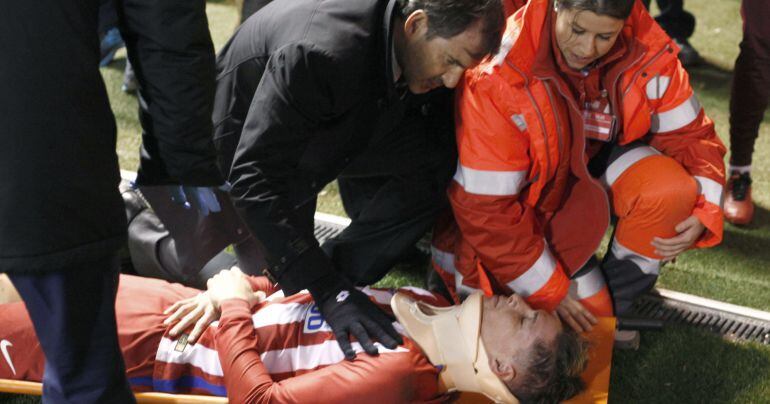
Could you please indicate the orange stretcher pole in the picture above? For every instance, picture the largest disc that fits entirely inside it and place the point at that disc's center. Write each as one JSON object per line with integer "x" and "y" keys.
{"x": 36, "y": 389}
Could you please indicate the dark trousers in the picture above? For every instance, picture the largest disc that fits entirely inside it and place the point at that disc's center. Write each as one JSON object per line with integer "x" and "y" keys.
{"x": 677, "y": 22}
{"x": 751, "y": 81}
{"x": 73, "y": 311}
{"x": 108, "y": 16}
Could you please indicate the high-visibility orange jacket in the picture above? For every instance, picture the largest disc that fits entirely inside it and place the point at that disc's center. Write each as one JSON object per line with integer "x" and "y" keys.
{"x": 529, "y": 213}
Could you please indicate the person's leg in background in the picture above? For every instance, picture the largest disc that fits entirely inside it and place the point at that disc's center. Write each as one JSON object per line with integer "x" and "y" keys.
{"x": 110, "y": 40}
{"x": 679, "y": 25}
{"x": 73, "y": 311}
{"x": 748, "y": 102}
{"x": 651, "y": 193}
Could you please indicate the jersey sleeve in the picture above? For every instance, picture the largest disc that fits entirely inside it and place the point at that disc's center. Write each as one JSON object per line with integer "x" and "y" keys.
{"x": 401, "y": 376}
{"x": 262, "y": 284}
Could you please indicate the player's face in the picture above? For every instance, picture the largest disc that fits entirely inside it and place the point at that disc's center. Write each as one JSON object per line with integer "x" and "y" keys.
{"x": 429, "y": 63}
{"x": 584, "y": 36}
{"x": 510, "y": 329}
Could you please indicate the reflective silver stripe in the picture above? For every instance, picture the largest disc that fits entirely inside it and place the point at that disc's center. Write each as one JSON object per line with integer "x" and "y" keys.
{"x": 536, "y": 276}
{"x": 649, "y": 266}
{"x": 657, "y": 87}
{"x": 710, "y": 189}
{"x": 446, "y": 261}
{"x": 443, "y": 259}
{"x": 484, "y": 182}
{"x": 505, "y": 46}
{"x": 625, "y": 161}
{"x": 676, "y": 118}
{"x": 587, "y": 284}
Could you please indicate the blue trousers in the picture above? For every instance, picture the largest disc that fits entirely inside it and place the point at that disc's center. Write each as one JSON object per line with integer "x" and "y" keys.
{"x": 73, "y": 311}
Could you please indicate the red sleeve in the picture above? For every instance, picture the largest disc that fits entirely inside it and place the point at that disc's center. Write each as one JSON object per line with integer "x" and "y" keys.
{"x": 390, "y": 377}
{"x": 486, "y": 195}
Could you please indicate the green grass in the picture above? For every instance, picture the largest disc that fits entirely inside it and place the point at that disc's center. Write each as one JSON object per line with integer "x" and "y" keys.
{"x": 677, "y": 365}
{"x": 686, "y": 366}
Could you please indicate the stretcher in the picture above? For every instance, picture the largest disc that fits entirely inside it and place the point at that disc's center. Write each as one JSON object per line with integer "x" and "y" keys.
{"x": 596, "y": 376}
{"x": 36, "y": 389}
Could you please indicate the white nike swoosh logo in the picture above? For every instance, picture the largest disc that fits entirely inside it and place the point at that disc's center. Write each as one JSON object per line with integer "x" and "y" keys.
{"x": 4, "y": 344}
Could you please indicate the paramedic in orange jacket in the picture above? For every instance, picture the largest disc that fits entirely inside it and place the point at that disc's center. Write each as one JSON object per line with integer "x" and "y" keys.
{"x": 585, "y": 112}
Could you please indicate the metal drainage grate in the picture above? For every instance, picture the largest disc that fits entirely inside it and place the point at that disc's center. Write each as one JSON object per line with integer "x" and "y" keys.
{"x": 325, "y": 230}
{"x": 653, "y": 306}
{"x": 730, "y": 325}
{"x": 328, "y": 226}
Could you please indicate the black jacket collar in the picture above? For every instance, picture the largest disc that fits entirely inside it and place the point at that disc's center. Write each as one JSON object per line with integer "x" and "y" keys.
{"x": 388, "y": 26}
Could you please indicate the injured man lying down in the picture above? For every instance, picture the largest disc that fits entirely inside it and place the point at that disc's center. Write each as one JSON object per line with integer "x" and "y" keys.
{"x": 269, "y": 348}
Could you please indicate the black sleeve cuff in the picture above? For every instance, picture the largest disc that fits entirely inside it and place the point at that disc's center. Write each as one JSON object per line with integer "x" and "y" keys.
{"x": 304, "y": 272}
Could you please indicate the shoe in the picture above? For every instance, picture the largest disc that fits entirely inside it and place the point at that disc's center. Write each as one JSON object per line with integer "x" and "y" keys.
{"x": 687, "y": 54}
{"x": 133, "y": 201}
{"x": 110, "y": 43}
{"x": 129, "y": 79}
{"x": 627, "y": 339}
{"x": 739, "y": 209}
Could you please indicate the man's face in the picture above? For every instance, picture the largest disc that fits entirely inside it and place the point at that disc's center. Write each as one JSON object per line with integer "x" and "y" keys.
{"x": 431, "y": 63}
{"x": 584, "y": 36}
{"x": 509, "y": 331}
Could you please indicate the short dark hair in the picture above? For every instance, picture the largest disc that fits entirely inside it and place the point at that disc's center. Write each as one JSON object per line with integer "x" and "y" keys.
{"x": 619, "y": 9}
{"x": 448, "y": 18}
{"x": 553, "y": 376}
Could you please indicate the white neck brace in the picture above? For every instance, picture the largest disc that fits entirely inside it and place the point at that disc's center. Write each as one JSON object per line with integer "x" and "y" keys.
{"x": 450, "y": 336}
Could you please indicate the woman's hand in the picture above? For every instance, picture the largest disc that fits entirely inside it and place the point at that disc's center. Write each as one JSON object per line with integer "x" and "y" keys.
{"x": 573, "y": 313}
{"x": 689, "y": 231}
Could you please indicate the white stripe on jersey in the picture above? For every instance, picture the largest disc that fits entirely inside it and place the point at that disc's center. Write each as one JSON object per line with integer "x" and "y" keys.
{"x": 280, "y": 313}
{"x": 307, "y": 357}
{"x": 380, "y": 296}
{"x": 205, "y": 359}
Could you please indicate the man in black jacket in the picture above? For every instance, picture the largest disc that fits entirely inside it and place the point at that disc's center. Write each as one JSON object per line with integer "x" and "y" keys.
{"x": 61, "y": 217}
{"x": 309, "y": 91}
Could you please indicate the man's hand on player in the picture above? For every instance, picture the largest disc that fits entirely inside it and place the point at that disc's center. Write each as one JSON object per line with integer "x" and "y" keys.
{"x": 349, "y": 312}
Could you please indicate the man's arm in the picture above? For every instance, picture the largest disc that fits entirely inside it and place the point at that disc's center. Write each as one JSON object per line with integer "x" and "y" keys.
{"x": 387, "y": 378}
{"x": 298, "y": 92}
{"x": 302, "y": 90}
{"x": 171, "y": 50}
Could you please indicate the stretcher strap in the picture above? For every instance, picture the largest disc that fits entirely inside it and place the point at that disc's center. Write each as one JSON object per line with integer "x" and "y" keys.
{"x": 36, "y": 389}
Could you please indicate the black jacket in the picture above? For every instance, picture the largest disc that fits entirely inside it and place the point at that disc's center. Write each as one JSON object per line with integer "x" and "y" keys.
{"x": 59, "y": 202}
{"x": 302, "y": 88}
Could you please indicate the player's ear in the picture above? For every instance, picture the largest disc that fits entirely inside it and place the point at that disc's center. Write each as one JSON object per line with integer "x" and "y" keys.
{"x": 503, "y": 369}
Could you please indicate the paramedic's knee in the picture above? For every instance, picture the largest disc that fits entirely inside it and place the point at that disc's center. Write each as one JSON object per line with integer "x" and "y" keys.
{"x": 650, "y": 198}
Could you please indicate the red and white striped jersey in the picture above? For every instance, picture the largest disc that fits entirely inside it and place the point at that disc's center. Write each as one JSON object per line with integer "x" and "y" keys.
{"x": 277, "y": 351}
{"x": 287, "y": 339}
